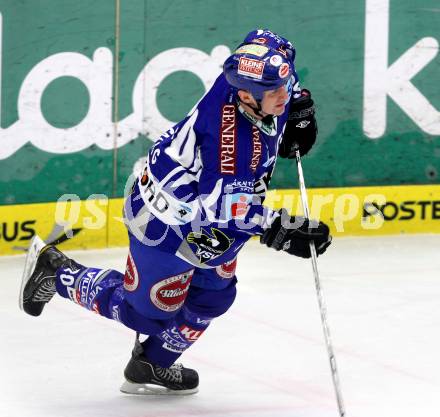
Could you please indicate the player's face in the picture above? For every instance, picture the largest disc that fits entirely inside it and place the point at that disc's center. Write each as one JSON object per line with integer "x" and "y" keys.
{"x": 274, "y": 101}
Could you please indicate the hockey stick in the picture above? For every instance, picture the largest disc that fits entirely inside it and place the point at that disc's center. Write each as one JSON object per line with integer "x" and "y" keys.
{"x": 322, "y": 306}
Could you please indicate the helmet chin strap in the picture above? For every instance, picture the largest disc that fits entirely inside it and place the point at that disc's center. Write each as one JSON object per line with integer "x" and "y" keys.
{"x": 257, "y": 109}
{"x": 267, "y": 118}
{"x": 267, "y": 122}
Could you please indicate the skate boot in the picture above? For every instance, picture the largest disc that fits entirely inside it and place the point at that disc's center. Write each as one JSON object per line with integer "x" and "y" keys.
{"x": 144, "y": 378}
{"x": 38, "y": 282}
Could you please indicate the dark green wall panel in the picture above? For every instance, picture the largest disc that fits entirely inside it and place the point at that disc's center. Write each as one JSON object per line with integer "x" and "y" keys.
{"x": 112, "y": 42}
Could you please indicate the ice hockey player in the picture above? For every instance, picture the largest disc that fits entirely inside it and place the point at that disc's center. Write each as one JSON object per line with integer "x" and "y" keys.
{"x": 189, "y": 213}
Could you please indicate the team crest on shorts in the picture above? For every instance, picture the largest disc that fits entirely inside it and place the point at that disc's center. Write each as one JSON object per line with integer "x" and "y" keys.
{"x": 227, "y": 270}
{"x": 169, "y": 294}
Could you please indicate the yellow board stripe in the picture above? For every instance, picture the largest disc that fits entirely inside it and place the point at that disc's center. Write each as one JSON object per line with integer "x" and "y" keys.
{"x": 354, "y": 211}
{"x": 366, "y": 211}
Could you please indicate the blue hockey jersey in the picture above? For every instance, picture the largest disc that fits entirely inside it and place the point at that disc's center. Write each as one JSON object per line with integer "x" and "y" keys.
{"x": 201, "y": 193}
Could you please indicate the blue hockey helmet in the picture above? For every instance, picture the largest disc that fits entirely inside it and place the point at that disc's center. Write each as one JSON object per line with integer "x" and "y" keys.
{"x": 271, "y": 40}
{"x": 258, "y": 68}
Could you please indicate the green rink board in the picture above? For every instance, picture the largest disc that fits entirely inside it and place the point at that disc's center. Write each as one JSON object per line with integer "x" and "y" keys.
{"x": 83, "y": 130}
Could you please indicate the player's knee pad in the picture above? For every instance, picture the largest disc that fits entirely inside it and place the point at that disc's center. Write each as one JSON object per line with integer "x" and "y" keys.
{"x": 201, "y": 306}
{"x": 210, "y": 302}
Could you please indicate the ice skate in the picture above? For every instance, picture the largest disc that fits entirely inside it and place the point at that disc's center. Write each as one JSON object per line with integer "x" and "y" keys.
{"x": 144, "y": 378}
{"x": 38, "y": 281}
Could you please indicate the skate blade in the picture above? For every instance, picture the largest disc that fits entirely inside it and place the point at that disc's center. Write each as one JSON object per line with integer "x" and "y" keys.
{"x": 150, "y": 389}
{"x": 31, "y": 259}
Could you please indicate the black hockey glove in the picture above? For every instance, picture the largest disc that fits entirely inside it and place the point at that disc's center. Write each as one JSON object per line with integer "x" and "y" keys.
{"x": 293, "y": 234}
{"x": 301, "y": 127}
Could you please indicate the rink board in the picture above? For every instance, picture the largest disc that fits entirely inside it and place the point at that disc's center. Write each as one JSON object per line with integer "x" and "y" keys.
{"x": 97, "y": 222}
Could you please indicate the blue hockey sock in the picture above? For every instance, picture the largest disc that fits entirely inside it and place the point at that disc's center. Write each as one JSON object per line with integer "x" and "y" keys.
{"x": 164, "y": 348}
{"x": 91, "y": 288}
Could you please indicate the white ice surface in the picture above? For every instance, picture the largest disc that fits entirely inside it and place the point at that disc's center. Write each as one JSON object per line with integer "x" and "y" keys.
{"x": 265, "y": 358}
